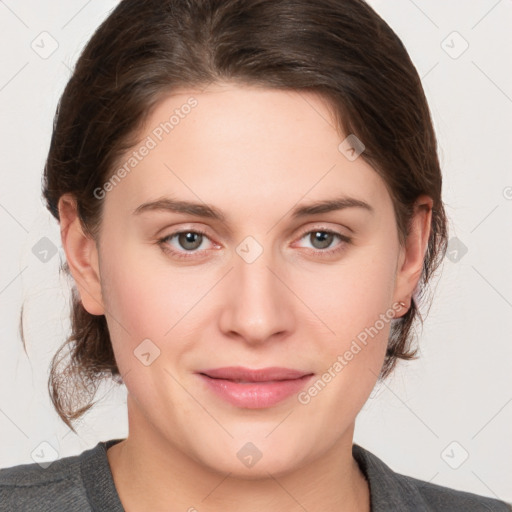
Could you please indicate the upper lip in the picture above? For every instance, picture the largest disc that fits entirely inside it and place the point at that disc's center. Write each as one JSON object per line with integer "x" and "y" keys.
{"x": 239, "y": 373}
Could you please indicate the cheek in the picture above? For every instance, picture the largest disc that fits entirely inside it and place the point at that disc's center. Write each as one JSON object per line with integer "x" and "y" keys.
{"x": 350, "y": 296}
{"x": 138, "y": 288}
{"x": 146, "y": 298}
{"x": 354, "y": 301}
{"x": 137, "y": 308}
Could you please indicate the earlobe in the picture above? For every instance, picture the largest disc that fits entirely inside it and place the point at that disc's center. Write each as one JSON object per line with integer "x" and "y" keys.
{"x": 412, "y": 254}
{"x": 82, "y": 256}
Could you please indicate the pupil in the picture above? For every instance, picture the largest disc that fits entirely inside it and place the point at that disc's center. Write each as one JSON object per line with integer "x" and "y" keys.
{"x": 190, "y": 240}
{"x": 324, "y": 238}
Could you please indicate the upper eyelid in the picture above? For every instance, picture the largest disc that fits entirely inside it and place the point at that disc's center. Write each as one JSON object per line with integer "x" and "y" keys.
{"x": 301, "y": 232}
{"x": 320, "y": 228}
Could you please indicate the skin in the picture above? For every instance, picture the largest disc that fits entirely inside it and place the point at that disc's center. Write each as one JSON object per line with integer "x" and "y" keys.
{"x": 255, "y": 154}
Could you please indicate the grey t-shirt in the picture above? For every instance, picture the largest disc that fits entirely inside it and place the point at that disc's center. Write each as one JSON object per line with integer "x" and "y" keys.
{"x": 84, "y": 483}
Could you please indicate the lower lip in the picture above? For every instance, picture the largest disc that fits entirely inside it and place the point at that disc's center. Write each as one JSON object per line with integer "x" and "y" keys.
{"x": 255, "y": 395}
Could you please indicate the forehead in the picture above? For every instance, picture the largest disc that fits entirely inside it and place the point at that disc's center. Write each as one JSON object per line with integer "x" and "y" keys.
{"x": 241, "y": 146}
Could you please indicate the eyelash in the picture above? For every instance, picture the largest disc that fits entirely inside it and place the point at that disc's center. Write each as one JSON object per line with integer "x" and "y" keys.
{"x": 163, "y": 242}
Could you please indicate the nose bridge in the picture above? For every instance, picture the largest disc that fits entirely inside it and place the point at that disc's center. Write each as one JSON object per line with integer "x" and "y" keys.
{"x": 257, "y": 306}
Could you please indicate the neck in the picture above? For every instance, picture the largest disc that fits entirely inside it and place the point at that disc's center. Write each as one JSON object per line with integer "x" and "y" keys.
{"x": 150, "y": 473}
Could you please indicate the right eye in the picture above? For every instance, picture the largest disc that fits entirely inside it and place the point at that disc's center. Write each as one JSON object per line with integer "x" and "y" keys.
{"x": 182, "y": 242}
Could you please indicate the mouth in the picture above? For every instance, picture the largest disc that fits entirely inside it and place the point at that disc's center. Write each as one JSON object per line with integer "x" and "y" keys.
{"x": 254, "y": 388}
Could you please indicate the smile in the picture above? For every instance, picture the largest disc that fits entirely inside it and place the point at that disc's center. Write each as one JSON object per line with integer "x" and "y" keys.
{"x": 254, "y": 389}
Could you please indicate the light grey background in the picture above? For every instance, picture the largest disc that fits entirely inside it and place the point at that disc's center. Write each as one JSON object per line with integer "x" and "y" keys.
{"x": 444, "y": 418}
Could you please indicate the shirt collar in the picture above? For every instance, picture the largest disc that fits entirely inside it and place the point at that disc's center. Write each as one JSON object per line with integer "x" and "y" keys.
{"x": 388, "y": 490}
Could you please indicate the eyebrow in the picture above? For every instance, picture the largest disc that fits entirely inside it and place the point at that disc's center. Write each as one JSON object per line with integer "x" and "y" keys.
{"x": 211, "y": 212}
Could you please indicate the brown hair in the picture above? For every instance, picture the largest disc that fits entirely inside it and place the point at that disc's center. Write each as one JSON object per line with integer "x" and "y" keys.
{"x": 341, "y": 50}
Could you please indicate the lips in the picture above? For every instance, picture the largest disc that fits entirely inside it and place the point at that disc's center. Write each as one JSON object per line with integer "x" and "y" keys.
{"x": 254, "y": 388}
{"x": 237, "y": 373}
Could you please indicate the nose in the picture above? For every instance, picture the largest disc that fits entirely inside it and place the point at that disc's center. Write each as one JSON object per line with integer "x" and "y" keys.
{"x": 258, "y": 304}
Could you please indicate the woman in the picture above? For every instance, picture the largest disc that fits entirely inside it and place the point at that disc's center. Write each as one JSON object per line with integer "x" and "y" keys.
{"x": 249, "y": 198}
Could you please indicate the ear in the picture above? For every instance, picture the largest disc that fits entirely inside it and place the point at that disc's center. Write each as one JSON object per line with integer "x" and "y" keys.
{"x": 82, "y": 256}
{"x": 412, "y": 254}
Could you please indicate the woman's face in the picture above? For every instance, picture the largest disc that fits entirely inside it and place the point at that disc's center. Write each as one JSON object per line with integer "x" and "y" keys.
{"x": 262, "y": 280}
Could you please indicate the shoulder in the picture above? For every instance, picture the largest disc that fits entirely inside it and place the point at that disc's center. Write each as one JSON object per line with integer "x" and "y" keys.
{"x": 30, "y": 487}
{"x": 393, "y": 491}
{"x": 440, "y": 498}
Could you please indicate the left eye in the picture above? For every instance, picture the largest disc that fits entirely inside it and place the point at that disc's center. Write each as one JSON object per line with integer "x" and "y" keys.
{"x": 322, "y": 239}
